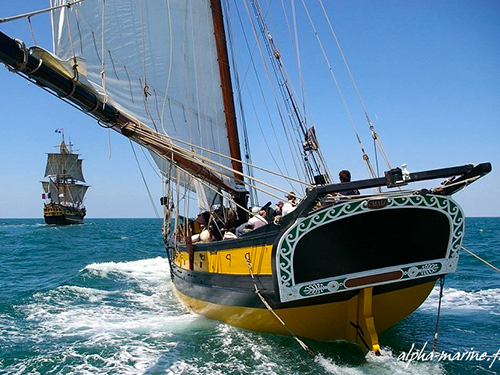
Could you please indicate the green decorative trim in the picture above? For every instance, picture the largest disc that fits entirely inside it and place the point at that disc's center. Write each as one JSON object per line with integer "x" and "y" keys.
{"x": 289, "y": 291}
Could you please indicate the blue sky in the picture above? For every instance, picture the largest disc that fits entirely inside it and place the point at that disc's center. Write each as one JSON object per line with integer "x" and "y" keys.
{"x": 428, "y": 72}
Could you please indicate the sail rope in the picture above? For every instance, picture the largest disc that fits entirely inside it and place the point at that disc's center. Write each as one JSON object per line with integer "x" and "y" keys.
{"x": 341, "y": 94}
{"x": 481, "y": 259}
{"x": 145, "y": 86}
{"x": 195, "y": 72}
{"x": 270, "y": 309}
{"x": 155, "y": 169}
{"x": 297, "y": 54}
{"x": 242, "y": 118}
{"x": 294, "y": 41}
{"x": 294, "y": 152}
{"x": 77, "y": 18}
{"x": 299, "y": 167}
{"x": 103, "y": 68}
{"x": 109, "y": 143}
{"x": 194, "y": 146}
{"x": 264, "y": 138}
{"x": 144, "y": 180}
{"x": 376, "y": 138}
{"x": 212, "y": 164}
{"x": 31, "y": 29}
{"x": 36, "y": 12}
{"x": 312, "y": 165}
{"x": 219, "y": 193}
{"x": 271, "y": 122}
{"x": 170, "y": 64}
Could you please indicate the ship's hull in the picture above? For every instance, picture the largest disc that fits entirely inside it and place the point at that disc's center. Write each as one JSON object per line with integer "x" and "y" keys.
{"x": 57, "y": 214}
{"x": 347, "y": 271}
{"x": 336, "y": 320}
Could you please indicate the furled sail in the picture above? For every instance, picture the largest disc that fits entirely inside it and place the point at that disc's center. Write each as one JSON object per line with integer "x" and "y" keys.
{"x": 158, "y": 62}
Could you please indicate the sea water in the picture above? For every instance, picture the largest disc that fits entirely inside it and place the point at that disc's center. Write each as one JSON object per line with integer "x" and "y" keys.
{"x": 97, "y": 299}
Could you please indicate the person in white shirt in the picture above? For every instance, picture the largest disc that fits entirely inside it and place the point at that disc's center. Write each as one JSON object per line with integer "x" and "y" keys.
{"x": 257, "y": 220}
{"x": 290, "y": 205}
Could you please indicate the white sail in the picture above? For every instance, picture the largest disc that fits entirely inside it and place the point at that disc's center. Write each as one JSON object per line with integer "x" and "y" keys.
{"x": 52, "y": 189}
{"x": 156, "y": 60}
{"x": 64, "y": 165}
{"x": 75, "y": 193}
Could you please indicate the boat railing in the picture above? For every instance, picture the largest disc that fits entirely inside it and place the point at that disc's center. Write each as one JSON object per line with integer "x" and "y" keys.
{"x": 456, "y": 178}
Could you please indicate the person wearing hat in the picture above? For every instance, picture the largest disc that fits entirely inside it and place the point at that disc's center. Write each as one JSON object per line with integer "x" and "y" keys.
{"x": 290, "y": 205}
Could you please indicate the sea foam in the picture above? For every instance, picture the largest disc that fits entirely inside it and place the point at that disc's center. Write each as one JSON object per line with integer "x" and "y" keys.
{"x": 461, "y": 301}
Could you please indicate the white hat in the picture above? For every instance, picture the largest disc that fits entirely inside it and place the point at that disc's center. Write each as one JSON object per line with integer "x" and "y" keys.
{"x": 255, "y": 210}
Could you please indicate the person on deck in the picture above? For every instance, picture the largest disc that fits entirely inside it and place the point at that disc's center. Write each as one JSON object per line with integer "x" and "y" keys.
{"x": 256, "y": 221}
{"x": 278, "y": 210}
{"x": 345, "y": 176}
{"x": 290, "y": 205}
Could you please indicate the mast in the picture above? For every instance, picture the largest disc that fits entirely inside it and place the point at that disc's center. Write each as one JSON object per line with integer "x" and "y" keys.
{"x": 226, "y": 86}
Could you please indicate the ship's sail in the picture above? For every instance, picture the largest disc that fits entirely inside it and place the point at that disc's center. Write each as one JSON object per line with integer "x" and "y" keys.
{"x": 157, "y": 61}
{"x": 75, "y": 193}
{"x": 68, "y": 193}
{"x": 51, "y": 188}
{"x": 67, "y": 165}
{"x": 63, "y": 170}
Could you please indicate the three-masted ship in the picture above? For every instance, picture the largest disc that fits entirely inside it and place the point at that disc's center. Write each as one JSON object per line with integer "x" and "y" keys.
{"x": 64, "y": 188}
{"x": 341, "y": 265}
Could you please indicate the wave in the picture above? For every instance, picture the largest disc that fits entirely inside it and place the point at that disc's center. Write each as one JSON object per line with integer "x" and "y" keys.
{"x": 461, "y": 301}
{"x": 154, "y": 269}
{"x": 387, "y": 363}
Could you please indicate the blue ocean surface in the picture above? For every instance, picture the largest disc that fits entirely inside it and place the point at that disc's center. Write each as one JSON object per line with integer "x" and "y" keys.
{"x": 97, "y": 299}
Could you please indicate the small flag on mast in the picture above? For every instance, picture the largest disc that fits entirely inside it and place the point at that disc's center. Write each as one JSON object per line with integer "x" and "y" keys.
{"x": 59, "y": 130}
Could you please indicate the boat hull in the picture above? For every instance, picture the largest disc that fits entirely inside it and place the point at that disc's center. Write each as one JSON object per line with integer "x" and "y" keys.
{"x": 345, "y": 271}
{"x": 324, "y": 321}
{"x": 56, "y": 214}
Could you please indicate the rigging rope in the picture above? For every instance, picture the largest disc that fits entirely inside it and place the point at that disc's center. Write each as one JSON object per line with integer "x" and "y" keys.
{"x": 271, "y": 122}
{"x": 341, "y": 94}
{"x": 25, "y": 15}
{"x": 300, "y": 168}
{"x": 190, "y": 155}
{"x": 144, "y": 180}
{"x": 297, "y": 53}
{"x": 103, "y": 70}
{"x": 31, "y": 30}
{"x": 266, "y": 304}
{"x": 246, "y": 142}
{"x": 436, "y": 330}
{"x": 375, "y": 136}
{"x": 481, "y": 259}
{"x": 145, "y": 87}
{"x": 297, "y": 119}
{"x": 192, "y": 145}
{"x": 170, "y": 60}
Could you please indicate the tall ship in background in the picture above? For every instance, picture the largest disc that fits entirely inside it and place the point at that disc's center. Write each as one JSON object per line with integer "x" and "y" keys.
{"x": 65, "y": 187}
